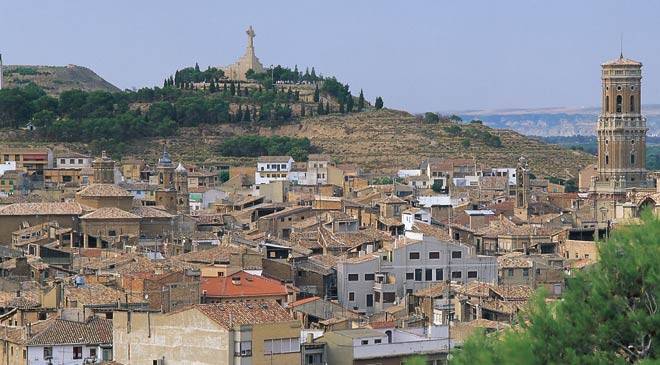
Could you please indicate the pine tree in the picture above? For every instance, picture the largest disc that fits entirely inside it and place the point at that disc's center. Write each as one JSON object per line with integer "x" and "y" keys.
{"x": 313, "y": 74}
{"x": 349, "y": 104}
{"x": 289, "y": 94}
{"x": 361, "y": 101}
{"x": 239, "y": 113}
{"x": 196, "y": 67}
{"x": 224, "y": 87}
{"x": 296, "y": 96}
{"x": 248, "y": 114}
{"x": 317, "y": 94}
{"x": 171, "y": 80}
{"x": 212, "y": 88}
{"x": 379, "y": 103}
{"x": 165, "y": 83}
{"x": 341, "y": 108}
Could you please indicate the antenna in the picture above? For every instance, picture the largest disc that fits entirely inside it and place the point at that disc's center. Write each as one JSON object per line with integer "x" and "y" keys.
{"x": 621, "y": 46}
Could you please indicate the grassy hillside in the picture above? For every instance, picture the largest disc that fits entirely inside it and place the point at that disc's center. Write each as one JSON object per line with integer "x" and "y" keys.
{"x": 380, "y": 141}
{"x": 56, "y": 79}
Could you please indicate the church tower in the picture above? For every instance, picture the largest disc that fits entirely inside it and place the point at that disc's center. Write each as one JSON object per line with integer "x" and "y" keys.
{"x": 521, "y": 209}
{"x": 621, "y": 129}
{"x": 166, "y": 194}
{"x": 104, "y": 169}
{"x": 181, "y": 187}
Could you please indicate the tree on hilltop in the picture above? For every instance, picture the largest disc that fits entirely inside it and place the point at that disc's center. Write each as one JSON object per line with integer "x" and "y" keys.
{"x": 361, "y": 101}
{"x": 379, "y": 103}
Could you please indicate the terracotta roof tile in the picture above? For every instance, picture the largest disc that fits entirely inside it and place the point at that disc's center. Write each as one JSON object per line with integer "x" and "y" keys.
{"x": 61, "y": 332}
{"x": 101, "y": 190}
{"x": 247, "y": 285}
{"x": 110, "y": 213}
{"x": 58, "y": 208}
{"x": 229, "y": 315}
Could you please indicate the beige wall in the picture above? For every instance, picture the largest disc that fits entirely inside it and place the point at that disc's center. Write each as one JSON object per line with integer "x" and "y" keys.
{"x": 267, "y": 331}
{"x": 124, "y": 202}
{"x": 572, "y": 249}
{"x": 186, "y": 337}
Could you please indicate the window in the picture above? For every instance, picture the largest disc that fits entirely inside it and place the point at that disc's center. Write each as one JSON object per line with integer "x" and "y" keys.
{"x": 72, "y": 161}
{"x": 456, "y": 254}
{"x": 243, "y": 348}
{"x": 92, "y": 352}
{"x": 428, "y": 275}
{"x": 434, "y": 255}
{"x": 472, "y": 274}
{"x": 77, "y": 352}
{"x": 438, "y": 274}
{"x": 632, "y": 103}
{"x": 378, "y": 340}
{"x": 418, "y": 274}
{"x": 369, "y": 277}
{"x": 80, "y": 161}
{"x": 48, "y": 352}
{"x": 525, "y": 272}
{"x": 456, "y": 275}
{"x": 281, "y": 346}
{"x": 112, "y": 233}
{"x": 632, "y": 158}
{"x": 351, "y": 297}
{"x": 370, "y": 300}
{"x": 607, "y": 103}
{"x": 365, "y": 342}
{"x": 413, "y": 255}
{"x": 607, "y": 160}
{"x": 619, "y": 101}
{"x": 410, "y": 276}
{"x": 353, "y": 277}
{"x": 510, "y": 272}
{"x": 389, "y": 297}
{"x": 377, "y": 297}
{"x": 62, "y": 161}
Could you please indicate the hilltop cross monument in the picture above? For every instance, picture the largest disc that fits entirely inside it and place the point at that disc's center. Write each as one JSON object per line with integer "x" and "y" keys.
{"x": 249, "y": 61}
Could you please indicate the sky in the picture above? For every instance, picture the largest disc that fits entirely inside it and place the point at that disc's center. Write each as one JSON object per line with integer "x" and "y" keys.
{"x": 418, "y": 55}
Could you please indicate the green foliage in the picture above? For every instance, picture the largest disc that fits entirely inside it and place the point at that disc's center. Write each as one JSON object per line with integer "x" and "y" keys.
{"x": 476, "y": 121}
{"x": 415, "y": 360}
{"x": 453, "y": 130}
{"x": 22, "y": 70}
{"x": 361, "y": 101}
{"x": 430, "y": 117}
{"x": 437, "y": 186}
{"x": 455, "y": 118}
{"x": 379, "y": 103}
{"x": 383, "y": 180}
{"x": 465, "y": 143}
{"x": 224, "y": 176}
{"x": 255, "y": 146}
{"x": 608, "y": 314}
{"x": 334, "y": 88}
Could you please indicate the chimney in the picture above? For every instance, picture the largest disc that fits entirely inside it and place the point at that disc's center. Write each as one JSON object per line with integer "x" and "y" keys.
{"x": 236, "y": 280}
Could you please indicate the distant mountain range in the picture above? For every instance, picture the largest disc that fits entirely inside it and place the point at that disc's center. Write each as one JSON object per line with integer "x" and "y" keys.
{"x": 552, "y": 121}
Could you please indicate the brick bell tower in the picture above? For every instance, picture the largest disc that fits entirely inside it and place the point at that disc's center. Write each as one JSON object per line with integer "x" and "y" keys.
{"x": 621, "y": 130}
{"x": 166, "y": 194}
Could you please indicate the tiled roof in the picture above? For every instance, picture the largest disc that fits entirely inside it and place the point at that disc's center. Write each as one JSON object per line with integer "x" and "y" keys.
{"x": 248, "y": 285}
{"x": 622, "y": 61}
{"x": 94, "y": 294}
{"x": 23, "y": 303}
{"x": 433, "y": 291}
{"x": 229, "y": 315}
{"x": 110, "y": 213}
{"x": 213, "y": 255}
{"x": 103, "y": 190}
{"x": 61, "y": 332}
{"x": 150, "y": 212}
{"x": 42, "y": 209}
{"x": 513, "y": 260}
{"x": 302, "y": 301}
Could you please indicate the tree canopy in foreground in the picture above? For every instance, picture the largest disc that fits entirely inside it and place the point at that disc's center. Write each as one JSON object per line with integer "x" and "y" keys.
{"x": 608, "y": 314}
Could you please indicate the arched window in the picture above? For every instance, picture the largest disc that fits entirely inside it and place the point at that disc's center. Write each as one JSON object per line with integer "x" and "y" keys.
{"x": 607, "y": 160}
{"x": 632, "y": 103}
{"x": 619, "y": 100}
{"x": 607, "y": 103}
{"x": 632, "y": 158}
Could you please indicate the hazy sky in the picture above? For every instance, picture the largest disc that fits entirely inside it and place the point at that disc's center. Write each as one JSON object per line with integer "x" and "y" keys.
{"x": 418, "y": 55}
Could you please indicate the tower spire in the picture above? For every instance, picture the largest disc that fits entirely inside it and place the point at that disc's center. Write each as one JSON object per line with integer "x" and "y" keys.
{"x": 621, "y": 47}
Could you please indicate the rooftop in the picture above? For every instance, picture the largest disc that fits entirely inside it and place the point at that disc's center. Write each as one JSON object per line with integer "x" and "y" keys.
{"x": 62, "y": 332}
{"x": 57, "y": 208}
{"x": 229, "y": 315}
{"x": 241, "y": 284}
{"x": 110, "y": 213}
{"x": 103, "y": 190}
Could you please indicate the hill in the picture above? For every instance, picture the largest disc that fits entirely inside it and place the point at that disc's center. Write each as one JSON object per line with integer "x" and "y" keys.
{"x": 553, "y": 121}
{"x": 381, "y": 142}
{"x": 56, "y": 79}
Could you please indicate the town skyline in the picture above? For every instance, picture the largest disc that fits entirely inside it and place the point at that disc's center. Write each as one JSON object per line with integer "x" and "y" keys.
{"x": 500, "y": 57}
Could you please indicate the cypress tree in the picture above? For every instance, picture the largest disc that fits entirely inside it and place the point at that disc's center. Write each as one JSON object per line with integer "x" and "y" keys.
{"x": 379, "y": 103}
{"x": 289, "y": 94}
{"x": 361, "y": 101}
{"x": 341, "y": 108}
{"x": 319, "y": 109}
{"x": 296, "y": 95}
{"x": 313, "y": 74}
{"x": 224, "y": 87}
{"x": 349, "y": 104}
{"x": 232, "y": 89}
{"x": 327, "y": 107}
{"x": 302, "y": 110}
{"x": 196, "y": 67}
{"x": 317, "y": 94}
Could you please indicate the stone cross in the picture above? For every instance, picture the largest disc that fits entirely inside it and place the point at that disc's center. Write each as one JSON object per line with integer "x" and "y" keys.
{"x": 251, "y": 34}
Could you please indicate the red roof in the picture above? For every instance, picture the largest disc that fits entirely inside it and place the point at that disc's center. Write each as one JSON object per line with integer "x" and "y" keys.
{"x": 241, "y": 284}
{"x": 303, "y": 301}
